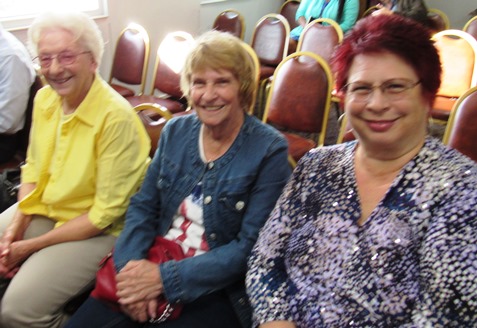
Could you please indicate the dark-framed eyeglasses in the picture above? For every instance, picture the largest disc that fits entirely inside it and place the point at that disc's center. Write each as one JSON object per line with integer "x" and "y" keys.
{"x": 393, "y": 90}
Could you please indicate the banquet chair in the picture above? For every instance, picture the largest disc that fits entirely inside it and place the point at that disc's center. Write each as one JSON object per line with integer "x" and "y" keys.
{"x": 288, "y": 10}
{"x": 131, "y": 56}
{"x": 461, "y": 132}
{"x": 256, "y": 64}
{"x": 154, "y": 117}
{"x": 458, "y": 54}
{"x": 471, "y": 27}
{"x": 438, "y": 20}
{"x": 320, "y": 36}
{"x": 170, "y": 58}
{"x": 299, "y": 102}
{"x": 153, "y": 123}
{"x": 231, "y": 21}
{"x": 270, "y": 43}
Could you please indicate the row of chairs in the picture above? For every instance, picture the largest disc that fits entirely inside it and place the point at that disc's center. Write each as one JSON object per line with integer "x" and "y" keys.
{"x": 130, "y": 63}
{"x": 273, "y": 28}
{"x": 458, "y": 54}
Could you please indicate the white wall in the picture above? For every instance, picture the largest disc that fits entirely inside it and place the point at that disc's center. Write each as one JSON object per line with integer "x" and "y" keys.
{"x": 160, "y": 17}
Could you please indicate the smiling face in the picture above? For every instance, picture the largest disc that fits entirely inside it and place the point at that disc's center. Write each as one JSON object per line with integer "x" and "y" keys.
{"x": 394, "y": 127}
{"x": 214, "y": 94}
{"x": 71, "y": 81}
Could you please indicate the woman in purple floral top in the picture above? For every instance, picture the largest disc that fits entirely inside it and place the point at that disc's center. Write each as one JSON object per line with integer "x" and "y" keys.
{"x": 381, "y": 231}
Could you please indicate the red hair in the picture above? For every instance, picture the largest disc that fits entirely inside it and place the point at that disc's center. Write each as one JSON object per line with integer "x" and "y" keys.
{"x": 403, "y": 37}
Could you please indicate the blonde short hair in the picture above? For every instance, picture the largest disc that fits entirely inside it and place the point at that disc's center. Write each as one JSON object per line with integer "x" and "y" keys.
{"x": 219, "y": 50}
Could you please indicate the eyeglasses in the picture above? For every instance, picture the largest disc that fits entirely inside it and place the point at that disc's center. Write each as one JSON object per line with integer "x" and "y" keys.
{"x": 64, "y": 58}
{"x": 393, "y": 90}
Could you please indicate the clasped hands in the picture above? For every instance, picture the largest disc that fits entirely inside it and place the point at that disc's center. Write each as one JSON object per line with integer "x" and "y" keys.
{"x": 139, "y": 284}
{"x": 13, "y": 251}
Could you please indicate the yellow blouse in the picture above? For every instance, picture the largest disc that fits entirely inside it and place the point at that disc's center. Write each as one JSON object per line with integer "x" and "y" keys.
{"x": 92, "y": 162}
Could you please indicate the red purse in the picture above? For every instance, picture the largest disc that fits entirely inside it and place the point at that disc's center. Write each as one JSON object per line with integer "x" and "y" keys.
{"x": 162, "y": 251}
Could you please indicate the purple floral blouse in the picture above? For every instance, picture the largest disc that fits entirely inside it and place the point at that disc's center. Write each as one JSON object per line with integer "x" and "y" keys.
{"x": 412, "y": 264}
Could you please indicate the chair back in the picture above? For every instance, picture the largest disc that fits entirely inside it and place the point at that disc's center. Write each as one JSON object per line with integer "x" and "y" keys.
{"x": 170, "y": 59}
{"x": 288, "y": 10}
{"x": 300, "y": 95}
{"x": 345, "y": 133}
{"x": 461, "y": 132}
{"x": 458, "y": 55}
{"x": 256, "y": 64}
{"x": 231, "y": 21}
{"x": 152, "y": 124}
{"x": 131, "y": 57}
{"x": 369, "y": 11}
{"x": 438, "y": 20}
{"x": 320, "y": 36}
{"x": 471, "y": 27}
{"x": 270, "y": 39}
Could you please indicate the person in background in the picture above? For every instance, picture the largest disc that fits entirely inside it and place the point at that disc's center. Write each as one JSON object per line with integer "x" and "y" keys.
{"x": 344, "y": 12}
{"x": 88, "y": 154}
{"x": 16, "y": 77}
{"x": 413, "y": 9}
{"x": 380, "y": 231}
{"x": 218, "y": 171}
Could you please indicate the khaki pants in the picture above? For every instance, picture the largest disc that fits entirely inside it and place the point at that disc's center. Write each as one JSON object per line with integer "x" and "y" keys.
{"x": 48, "y": 279}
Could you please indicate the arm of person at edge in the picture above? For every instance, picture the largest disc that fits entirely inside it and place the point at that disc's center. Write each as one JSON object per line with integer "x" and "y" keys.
{"x": 350, "y": 15}
{"x": 14, "y": 250}
{"x": 15, "y": 82}
{"x": 230, "y": 257}
{"x": 300, "y": 13}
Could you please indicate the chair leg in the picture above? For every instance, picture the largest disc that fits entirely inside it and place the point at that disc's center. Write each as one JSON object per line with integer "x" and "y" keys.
{"x": 291, "y": 161}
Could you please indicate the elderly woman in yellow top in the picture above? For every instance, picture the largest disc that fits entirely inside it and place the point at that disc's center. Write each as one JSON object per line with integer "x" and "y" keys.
{"x": 87, "y": 155}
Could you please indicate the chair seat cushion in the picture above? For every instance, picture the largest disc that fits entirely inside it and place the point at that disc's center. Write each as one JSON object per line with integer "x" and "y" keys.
{"x": 442, "y": 107}
{"x": 123, "y": 91}
{"x": 297, "y": 145}
{"x": 173, "y": 106}
{"x": 266, "y": 71}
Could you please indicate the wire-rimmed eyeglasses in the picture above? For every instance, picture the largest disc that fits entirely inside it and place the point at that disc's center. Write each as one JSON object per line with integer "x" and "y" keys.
{"x": 63, "y": 58}
{"x": 393, "y": 90}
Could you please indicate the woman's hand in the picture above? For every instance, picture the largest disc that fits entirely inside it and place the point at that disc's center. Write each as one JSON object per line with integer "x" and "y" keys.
{"x": 302, "y": 21}
{"x": 141, "y": 311}
{"x": 18, "y": 252}
{"x": 138, "y": 281}
{"x": 136, "y": 311}
{"x": 382, "y": 11}
{"x": 12, "y": 248}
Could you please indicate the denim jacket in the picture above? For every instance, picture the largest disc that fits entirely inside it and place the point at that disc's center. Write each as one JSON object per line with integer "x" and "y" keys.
{"x": 240, "y": 190}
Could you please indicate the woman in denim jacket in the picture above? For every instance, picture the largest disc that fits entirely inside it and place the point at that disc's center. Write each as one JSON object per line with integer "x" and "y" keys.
{"x": 217, "y": 172}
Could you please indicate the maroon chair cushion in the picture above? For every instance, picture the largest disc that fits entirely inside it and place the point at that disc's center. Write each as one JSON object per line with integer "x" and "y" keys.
{"x": 174, "y": 106}
{"x": 123, "y": 91}
{"x": 297, "y": 145}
